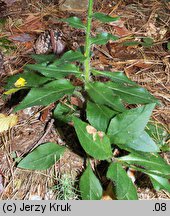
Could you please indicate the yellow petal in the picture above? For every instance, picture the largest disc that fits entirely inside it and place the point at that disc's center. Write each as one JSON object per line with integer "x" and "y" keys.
{"x": 20, "y": 82}
{"x": 11, "y": 91}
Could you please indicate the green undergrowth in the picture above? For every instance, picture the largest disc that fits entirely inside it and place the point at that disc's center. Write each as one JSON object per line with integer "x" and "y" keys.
{"x": 65, "y": 188}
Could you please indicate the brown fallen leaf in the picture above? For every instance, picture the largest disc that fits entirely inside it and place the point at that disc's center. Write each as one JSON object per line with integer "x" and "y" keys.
{"x": 131, "y": 173}
{"x": 7, "y": 122}
{"x": 45, "y": 112}
{"x": 76, "y": 101}
{"x": 143, "y": 64}
{"x": 9, "y": 2}
{"x": 31, "y": 24}
{"x": 1, "y": 184}
{"x": 138, "y": 64}
{"x": 23, "y": 37}
{"x": 120, "y": 29}
{"x": 108, "y": 193}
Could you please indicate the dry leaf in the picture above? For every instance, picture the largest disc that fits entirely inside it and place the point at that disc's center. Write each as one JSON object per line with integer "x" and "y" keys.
{"x": 45, "y": 112}
{"x": 121, "y": 30}
{"x": 6, "y": 122}
{"x": 9, "y": 2}
{"x": 143, "y": 64}
{"x": 22, "y": 37}
{"x": 1, "y": 184}
{"x": 30, "y": 25}
{"x": 92, "y": 131}
{"x": 131, "y": 174}
{"x": 108, "y": 193}
{"x": 76, "y": 101}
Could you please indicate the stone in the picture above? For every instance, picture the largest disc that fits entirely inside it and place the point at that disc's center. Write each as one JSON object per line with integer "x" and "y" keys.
{"x": 74, "y": 5}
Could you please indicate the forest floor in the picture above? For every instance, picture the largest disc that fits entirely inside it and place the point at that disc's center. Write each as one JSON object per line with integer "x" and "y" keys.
{"x": 21, "y": 22}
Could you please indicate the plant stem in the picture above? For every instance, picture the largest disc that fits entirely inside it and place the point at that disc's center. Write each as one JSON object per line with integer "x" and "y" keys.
{"x": 88, "y": 42}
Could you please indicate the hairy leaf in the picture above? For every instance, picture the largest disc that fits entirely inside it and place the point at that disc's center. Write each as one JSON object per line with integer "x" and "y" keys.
{"x": 132, "y": 95}
{"x": 74, "y": 22}
{"x": 159, "y": 183}
{"x": 125, "y": 190}
{"x": 143, "y": 143}
{"x": 71, "y": 56}
{"x": 63, "y": 113}
{"x": 99, "y": 115}
{"x": 103, "y": 38}
{"x": 151, "y": 163}
{"x": 95, "y": 143}
{"x": 43, "y": 157}
{"x": 47, "y": 94}
{"x": 53, "y": 70}
{"x": 32, "y": 79}
{"x": 100, "y": 94}
{"x": 90, "y": 186}
{"x": 126, "y": 127}
{"x": 42, "y": 58}
{"x": 157, "y": 132}
{"x": 105, "y": 18}
{"x": 118, "y": 77}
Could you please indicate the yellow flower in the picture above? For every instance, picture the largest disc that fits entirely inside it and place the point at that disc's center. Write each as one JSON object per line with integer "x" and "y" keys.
{"x": 20, "y": 82}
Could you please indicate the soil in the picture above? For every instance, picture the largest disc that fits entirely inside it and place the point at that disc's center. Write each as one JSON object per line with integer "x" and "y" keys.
{"x": 148, "y": 66}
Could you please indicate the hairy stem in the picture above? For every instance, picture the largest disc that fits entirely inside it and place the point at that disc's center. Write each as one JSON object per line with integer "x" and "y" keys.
{"x": 88, "y": 42}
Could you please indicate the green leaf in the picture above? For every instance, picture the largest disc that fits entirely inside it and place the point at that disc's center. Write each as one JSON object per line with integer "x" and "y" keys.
{"x": 131, "y": 43}
{"x": 63, "y": 113}
{"x": 47, "y": 94}
{"x": 90, "y": 186}
{"x": 2, "y": 21}
{"x": 43, "y": 157}
{"x": 125, "y": 190}
{"x": 147, "y": 162}
{"x": 118, "y": 77}
{"x": 103, "y": 38}
{"x": 42, "y": 58}
{"x": 100, "y": 94}
{"x": 143, "y": 143}
{"x": 32, "y": 80}
{"x": 126, "y": 127}
{"x": 157, "y": 132}
{"x": 54, "y": 71}
{"x": 159, "y": 183}
{"x": 148, "y": 40}
{"x": 71, "y": 56}
{"x": 99, "y": 115}
{"x": 74, "y": 22}
{"x": 5, "y": 41}
{"x": 168, "y": 45}
{"x": 96, "y": 146}
{"x": 165, "y": 148}
{"x": 105, "y": 18}
{"x": 132, "y": 95}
